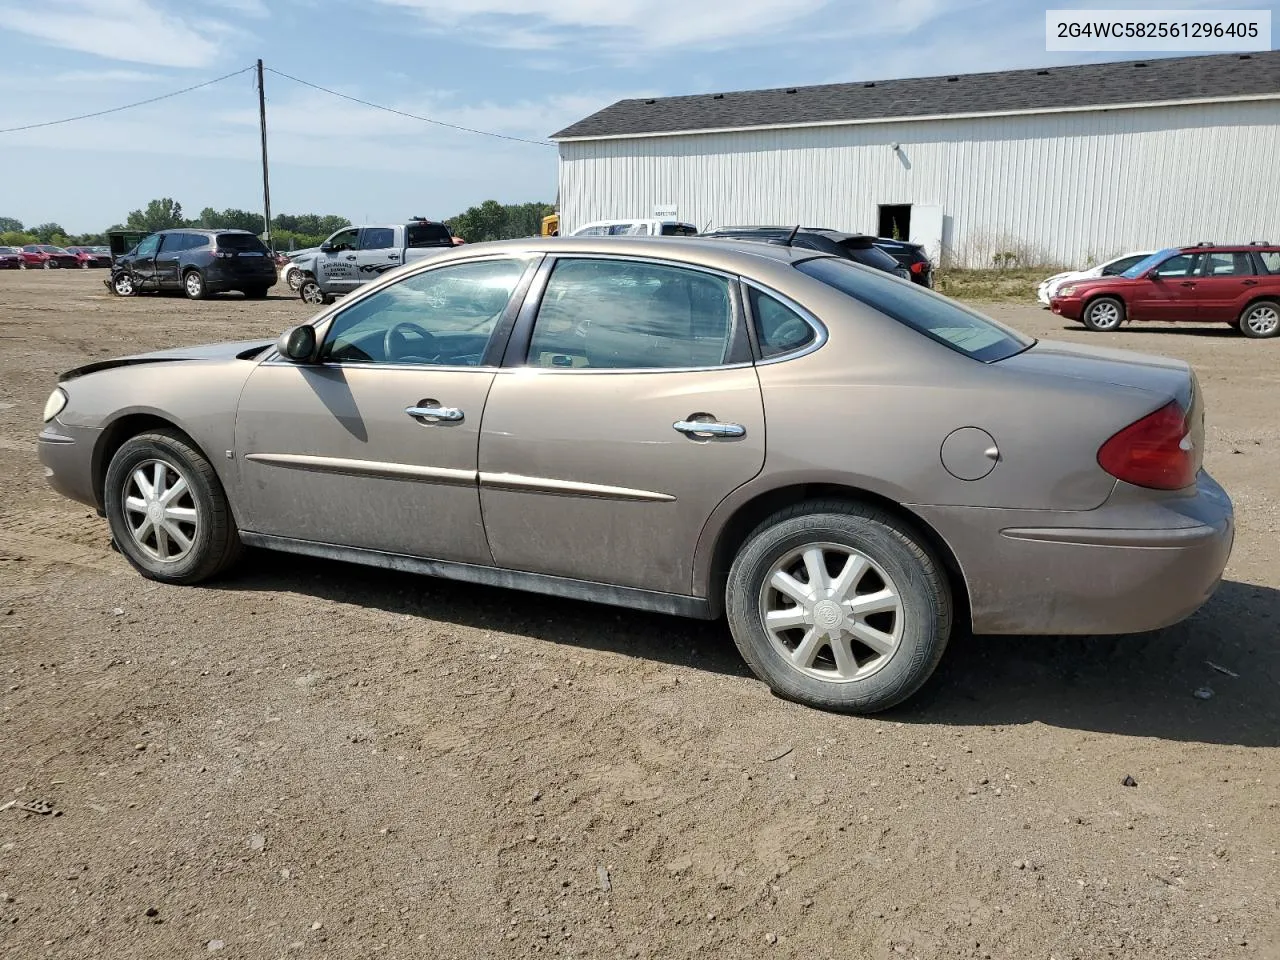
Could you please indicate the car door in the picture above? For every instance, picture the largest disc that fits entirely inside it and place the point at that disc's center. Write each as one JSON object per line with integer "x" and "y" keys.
{"x": 627, "y": 409}
{"x": 374, "y": 444}
{"x": 1226, "y": 282}
{"x": 1167, "y": 292}
{"x": 168, "y": 262}
{"x": 143, "y": 260}
{"x": 336, "y": 268}
{"x": 378, "y": 253}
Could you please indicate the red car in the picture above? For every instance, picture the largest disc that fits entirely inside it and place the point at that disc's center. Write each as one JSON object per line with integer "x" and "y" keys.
{"x": 89, "y": 257}
{"x": 10, "y": 258}
{"x": 46, "y": 256}
{"x": 1235, "y": 284}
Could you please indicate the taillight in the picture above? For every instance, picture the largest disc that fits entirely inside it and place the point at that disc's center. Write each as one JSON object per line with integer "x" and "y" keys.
{"x": 1156, "y": 451}
{"x": 917, "y": 268}
{"x": 224, "y": 254}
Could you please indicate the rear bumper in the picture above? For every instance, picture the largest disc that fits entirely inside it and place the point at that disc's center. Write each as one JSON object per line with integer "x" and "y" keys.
{"x": 1126, "y": 567}
{"x": 223, "y": 278}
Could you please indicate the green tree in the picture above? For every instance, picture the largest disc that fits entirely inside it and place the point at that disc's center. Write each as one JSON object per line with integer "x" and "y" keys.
{"x": 162, "y": 214}
{"x": 17, "y": 238}
{"x": 10, "y": 225}
{"x": 229, "y": 219}
{"x": 492, "y": 220}
{"x": 49, "y": 232}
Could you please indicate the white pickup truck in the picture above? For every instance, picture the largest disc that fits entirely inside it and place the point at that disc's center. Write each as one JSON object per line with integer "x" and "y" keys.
{"x": 356, "y": 255}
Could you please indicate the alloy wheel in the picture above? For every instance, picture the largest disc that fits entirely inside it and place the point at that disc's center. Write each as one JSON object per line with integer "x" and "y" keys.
{"x": 832, "y": 612}
{"x": 1105, "y": 315}
{"x": 160, "y": 511}
{"x": 1263, "y": 320}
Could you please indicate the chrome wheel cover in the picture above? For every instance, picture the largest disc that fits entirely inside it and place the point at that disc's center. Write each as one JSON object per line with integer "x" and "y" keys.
{"x": 160, "y": 511}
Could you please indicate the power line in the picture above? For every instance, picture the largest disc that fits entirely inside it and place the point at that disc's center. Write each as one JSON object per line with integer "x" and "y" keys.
{"x": 128, "y": 106}
{"x": 411, "y": 116}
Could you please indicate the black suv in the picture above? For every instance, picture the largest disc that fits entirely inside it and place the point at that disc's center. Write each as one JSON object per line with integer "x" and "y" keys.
{"x": 910, "y": 255}
{"x": 851, "y": 246}
{"x": 197, "y": 262}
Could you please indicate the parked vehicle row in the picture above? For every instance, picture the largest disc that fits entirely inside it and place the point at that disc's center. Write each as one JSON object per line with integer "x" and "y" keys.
{"x": 925, "y": 466}
{"x": 1233, "y": 284}
{"x": 11, "y": 258}
{"x": 1109, "y": 268}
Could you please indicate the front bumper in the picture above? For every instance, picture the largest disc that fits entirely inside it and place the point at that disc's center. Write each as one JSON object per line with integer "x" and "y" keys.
{"x": 1069, "y": 307}
{"x": 1132, "y": 565}
{"x": 67, "y": 456}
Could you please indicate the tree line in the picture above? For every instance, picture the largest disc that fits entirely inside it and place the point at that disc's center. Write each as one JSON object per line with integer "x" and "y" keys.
{"x": 490, "y": 220}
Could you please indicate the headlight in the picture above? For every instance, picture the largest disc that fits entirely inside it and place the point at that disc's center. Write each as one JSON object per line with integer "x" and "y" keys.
{"x": 1065, "y": 291}
{"x": 54, "y": 405}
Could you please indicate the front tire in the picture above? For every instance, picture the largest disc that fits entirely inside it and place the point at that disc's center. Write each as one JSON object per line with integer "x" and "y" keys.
{"x": 193, "y": 285}
{"x": 123, "y": 285}
{"x": 1104, "y": 314}
{"x": 167, "y": 510}
{"x": 311, "y": 293}
{"x": 1260, "y": 320}
{"x": 838, "y": 606}
{"x": 295, "y": 280}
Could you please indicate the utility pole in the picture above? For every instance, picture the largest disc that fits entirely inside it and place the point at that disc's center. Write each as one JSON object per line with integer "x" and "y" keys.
{"x": 266, "y": 186}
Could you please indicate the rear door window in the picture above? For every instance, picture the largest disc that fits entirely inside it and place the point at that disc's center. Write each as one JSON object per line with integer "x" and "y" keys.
{"x": 963, "y": 330}
{"x": 1228, "y": 264}
{"x": 427, "y": 235}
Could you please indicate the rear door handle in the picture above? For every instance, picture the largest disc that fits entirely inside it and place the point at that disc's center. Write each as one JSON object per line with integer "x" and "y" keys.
{"x": 707, "y": 429}
{"x": 433, "y": 412}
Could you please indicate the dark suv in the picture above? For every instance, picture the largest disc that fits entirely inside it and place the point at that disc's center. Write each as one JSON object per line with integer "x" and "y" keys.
{"x": 197, "y": 262}
{"x": 909, "y": 255}
{"x": 851, "y": 246}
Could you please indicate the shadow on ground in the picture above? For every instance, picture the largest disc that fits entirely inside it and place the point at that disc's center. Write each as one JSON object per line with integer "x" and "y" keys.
{"x": 1188, "y": 329}
{"x": 1143, "y": 685}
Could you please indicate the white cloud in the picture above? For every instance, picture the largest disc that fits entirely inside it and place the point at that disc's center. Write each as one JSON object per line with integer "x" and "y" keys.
{"x": 107, "y": 76}
{"x": 136, "y": 31}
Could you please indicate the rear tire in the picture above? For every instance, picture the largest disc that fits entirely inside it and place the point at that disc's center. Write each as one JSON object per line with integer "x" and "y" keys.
{"x": 876, "y": 581}
{"x": 1104, "y": 314}
{"x": 193, "y": 285}
{"x": 196, "y": 512}
{"x": 1260, "y": 320}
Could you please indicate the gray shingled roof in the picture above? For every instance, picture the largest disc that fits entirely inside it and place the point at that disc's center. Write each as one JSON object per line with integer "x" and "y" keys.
{"x": 1086, "y": 85}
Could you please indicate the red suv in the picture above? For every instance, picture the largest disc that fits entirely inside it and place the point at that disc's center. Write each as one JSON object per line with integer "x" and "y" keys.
{"x": 1239, "y": 285}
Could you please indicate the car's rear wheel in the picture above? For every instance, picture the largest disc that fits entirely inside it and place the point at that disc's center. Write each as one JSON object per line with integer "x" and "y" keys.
{"x": 311, "y": 292}
{"x": 839, "y": 606}
{"x": 84, "y": 264}
{"x": 193, "y": 285}
{"x": 48, "y": 265}
{"x": 123, "y": 285}
{"x": 1103, "y": 314}
{"x": 1261, "y": 320}
{"x": 167, "y": 510}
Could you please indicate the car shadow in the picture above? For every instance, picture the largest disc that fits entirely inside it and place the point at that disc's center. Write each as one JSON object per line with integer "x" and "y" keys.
{"x": 1212, "y": 679}
{"x": 1187, "y": 329}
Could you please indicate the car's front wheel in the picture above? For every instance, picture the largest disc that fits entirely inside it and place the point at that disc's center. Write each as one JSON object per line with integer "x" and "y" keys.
{"x": 295, "y": 278}
{"x": 839, "y": 606}
{"x": 193, "y": 285}
{"x": 312, "y": 293}
{"x": 1261, "y": 320}
{"x": 123, "y": 285}
{"x": 167, "y": 510}
{"x": 1104, "y": 314}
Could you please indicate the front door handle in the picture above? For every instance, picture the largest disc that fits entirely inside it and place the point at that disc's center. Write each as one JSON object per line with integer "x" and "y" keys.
{"x": 1188, "y": 283}
{"x": 352, "y": 257}
{"x": 434, "y": 412}
{"x": 1250, "y": 283}
{"x": 708, "y": 429}
{"x": 393, "y": 256}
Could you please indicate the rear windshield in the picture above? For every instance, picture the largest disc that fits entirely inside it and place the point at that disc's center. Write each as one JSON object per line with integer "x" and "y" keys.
{"x": 679, "y": 230}
{"x": 963, "y": 330}
{"x": 871, "y": 256}
{"x": 428, "y": 235}
{"x": 240, "y": 241}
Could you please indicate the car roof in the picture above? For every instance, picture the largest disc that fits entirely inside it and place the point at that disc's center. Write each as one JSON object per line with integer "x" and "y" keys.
{"x": 1228, "y": 247}
{"x": 208, "y": 230}
{"x": 725, "y": 254}
{"x": 836, "y": 235}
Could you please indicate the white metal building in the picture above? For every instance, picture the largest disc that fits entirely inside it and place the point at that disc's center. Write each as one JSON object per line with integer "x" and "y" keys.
{"x": 1054, "y": 166}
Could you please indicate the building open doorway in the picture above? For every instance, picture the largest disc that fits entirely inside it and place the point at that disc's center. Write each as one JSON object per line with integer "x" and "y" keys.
{"x": 895, "y": 221}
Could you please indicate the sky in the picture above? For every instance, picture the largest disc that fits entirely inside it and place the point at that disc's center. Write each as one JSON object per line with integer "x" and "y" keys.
{"x": 521, "y": 68}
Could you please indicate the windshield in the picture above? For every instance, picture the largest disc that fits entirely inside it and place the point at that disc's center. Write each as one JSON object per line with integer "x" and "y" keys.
{"x": 963, "y": 330}
{"x": 49, "y": 248}
{"x": 1146, "y": 263}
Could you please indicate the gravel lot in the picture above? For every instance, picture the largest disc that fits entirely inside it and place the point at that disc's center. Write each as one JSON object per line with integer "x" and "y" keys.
{"x": 313, "y": 759}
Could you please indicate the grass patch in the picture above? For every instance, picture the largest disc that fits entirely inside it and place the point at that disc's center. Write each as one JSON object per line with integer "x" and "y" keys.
{"x": 1002, "y": 286}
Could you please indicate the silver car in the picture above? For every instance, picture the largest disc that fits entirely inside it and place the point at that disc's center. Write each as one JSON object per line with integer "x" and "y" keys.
{"x": 844, "y": 465}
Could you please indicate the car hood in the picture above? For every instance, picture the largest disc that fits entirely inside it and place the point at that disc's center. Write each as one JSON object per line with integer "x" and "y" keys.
{"x": 238, "y": 350}
{"x": 1096, "y": 281}
{"x": 1163, "y": 377}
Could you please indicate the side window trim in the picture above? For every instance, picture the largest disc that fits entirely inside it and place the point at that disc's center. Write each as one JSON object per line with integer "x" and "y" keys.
{"x": 516, "y": 357}
{"x": 819, "y": 328}
{"x": 498, "y": 339}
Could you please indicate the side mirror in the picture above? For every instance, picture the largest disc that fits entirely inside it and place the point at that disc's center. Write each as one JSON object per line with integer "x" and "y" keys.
{"x": 327, "y": 247}
{"x": 298, "y": 344}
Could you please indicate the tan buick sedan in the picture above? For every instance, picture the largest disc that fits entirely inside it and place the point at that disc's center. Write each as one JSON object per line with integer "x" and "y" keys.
{"x": 844, "y": 465}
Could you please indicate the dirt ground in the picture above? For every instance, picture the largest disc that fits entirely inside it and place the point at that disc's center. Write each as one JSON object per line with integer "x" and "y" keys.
{"x": 314, "y": 759}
